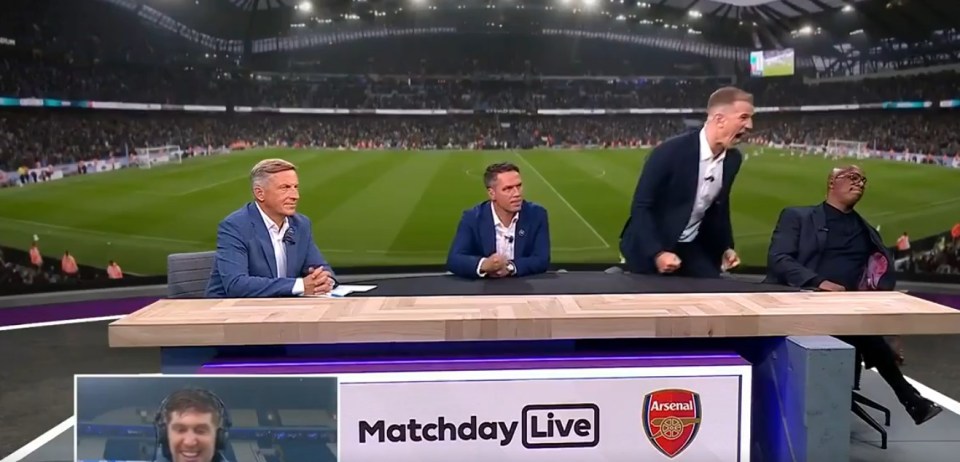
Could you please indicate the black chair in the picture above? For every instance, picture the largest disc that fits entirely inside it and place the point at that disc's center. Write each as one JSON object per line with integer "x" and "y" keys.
{"x": 859, "y": 399}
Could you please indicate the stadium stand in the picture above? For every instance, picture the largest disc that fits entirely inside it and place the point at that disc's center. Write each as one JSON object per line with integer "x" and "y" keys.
{"x": 479, "y": 90}
{"x": 91, "y": 86}
{"x": 38, "y": 137}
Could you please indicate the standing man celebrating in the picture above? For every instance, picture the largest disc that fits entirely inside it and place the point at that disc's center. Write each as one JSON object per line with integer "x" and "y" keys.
{"x": 680, "y": 216}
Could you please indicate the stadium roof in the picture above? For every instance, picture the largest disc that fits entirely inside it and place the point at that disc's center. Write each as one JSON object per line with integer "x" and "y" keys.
{"x": 811, "y": 26}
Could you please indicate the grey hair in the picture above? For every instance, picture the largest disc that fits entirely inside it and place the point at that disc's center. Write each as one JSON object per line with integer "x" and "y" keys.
{"x": 267, "y": 167}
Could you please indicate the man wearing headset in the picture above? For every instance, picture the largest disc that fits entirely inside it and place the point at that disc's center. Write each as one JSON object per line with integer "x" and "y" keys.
{"x": 192, "y": 426}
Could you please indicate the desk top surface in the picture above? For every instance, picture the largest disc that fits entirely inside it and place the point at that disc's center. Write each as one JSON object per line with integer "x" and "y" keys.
{"x": 361, "y": 319}
{"x": 573, "y": 283}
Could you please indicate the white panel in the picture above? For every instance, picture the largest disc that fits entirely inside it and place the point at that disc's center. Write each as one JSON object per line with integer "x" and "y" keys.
{"x": 489, "y": 419}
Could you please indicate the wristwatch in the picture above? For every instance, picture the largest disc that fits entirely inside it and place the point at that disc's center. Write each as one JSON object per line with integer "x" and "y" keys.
{"x": 511, "y": 268}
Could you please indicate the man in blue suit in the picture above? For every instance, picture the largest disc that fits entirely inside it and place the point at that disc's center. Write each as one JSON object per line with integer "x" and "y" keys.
{"x": 266, "y": 248}
{"x": 830, "y": 247}
{"x": 503, "y": 236}
{"x": 680, "y": 215}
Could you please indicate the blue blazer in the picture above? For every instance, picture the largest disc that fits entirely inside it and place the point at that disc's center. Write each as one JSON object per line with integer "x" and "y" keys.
{"x": 476, "y": 238}
{"x": 245, "y": 265}
{"x": 798, "y": 242}
{"x": 663, "y": 201}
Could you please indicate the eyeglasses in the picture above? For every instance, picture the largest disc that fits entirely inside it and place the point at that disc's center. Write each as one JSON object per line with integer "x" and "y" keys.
{"x": 854, "y": 178}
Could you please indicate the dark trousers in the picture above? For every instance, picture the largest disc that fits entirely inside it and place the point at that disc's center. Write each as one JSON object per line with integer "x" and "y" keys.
{"x": 694, "y": 261}
{"x": 878, "y": 353}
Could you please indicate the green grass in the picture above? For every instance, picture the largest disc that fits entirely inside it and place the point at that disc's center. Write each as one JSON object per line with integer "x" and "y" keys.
{"x": 398, "y": 208}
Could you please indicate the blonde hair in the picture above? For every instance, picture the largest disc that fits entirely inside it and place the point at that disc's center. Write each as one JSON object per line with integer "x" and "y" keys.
{"x": 726, "y": 96}
{"x": 267, "y": 167}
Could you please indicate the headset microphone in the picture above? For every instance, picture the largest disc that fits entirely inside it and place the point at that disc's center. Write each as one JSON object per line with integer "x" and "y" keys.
{"x": 223, "y": 426}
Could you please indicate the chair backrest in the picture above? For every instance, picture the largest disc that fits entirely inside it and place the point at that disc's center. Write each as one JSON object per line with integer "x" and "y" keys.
{"x": 188, "y": 274}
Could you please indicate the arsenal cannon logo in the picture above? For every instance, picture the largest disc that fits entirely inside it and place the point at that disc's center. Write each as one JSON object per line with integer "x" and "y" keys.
{"x": 671, "y": 419}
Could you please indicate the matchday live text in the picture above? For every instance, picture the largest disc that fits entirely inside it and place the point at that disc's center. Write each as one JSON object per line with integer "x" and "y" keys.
{"x": 645, "y": 418}
{"x": 541, "y": 426}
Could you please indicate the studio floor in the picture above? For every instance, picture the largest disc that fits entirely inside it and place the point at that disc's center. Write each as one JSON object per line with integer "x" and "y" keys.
{"x": 37, "y": 393}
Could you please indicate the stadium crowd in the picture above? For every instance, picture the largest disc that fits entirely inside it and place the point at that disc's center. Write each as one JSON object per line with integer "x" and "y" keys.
{"x": 32, "y": 137}
{"x": 941, "y": 255}
{"x": 38, "y": 78}
{"x": 108, "y": 57}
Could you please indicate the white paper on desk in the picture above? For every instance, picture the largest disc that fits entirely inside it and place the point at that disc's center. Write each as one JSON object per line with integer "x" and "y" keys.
{"x": 343, "y": 290}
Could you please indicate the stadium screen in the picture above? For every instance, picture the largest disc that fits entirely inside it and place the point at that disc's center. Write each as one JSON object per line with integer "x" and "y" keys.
{"x": 772, "y": 63}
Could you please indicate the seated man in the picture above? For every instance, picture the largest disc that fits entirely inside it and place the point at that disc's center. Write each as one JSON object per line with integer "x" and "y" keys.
{"x": 830, "y": 247}
{"x": 266, "y": 248}
{"x": 503, "y": 236}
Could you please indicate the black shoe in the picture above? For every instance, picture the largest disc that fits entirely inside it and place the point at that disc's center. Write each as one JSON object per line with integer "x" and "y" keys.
{"x": 922, "y": 409}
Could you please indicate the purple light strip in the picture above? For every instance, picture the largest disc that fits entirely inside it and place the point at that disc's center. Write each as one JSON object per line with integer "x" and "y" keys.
{"x": 466, "y": 361}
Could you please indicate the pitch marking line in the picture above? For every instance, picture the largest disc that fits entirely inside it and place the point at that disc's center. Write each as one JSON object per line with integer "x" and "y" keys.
{"x": 210, "y": 186}
{"x": 603, "y": 172}
{"x": 116, "y": 236}
{"x": 562, "y": 199}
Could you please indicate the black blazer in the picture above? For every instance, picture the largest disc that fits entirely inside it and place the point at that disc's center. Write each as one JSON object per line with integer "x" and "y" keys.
{"x": 797, "y": 245}
{"x": 663, "y": 202}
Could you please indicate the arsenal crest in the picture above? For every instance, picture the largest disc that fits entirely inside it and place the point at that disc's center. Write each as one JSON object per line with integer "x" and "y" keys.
{"x": 671, "y": 419}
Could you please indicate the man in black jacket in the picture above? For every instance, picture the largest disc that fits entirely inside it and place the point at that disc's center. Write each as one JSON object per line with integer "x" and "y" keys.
{"x": 680, "y": 214}
{"x": 830, "y": 247}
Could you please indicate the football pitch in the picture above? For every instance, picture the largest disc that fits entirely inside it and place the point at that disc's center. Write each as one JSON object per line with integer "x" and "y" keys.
{"x": 401, "y": 208}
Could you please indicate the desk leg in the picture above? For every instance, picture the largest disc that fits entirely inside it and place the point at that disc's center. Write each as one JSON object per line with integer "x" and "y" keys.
{"x": 802, "y": 394}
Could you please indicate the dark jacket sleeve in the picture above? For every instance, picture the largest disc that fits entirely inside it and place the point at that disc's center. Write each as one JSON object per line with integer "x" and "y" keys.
{"x": 782, "y": 255}
{"x": 643, "y": 227}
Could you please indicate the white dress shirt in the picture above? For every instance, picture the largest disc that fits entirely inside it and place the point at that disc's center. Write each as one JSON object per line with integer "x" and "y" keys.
{"x": 709, "y": 182}
{"x": 279, "y": 248}
{"x": 505, "y": 236}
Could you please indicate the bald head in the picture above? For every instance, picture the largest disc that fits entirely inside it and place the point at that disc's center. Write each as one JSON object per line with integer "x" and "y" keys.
{"x": 845, "y": 186}
{"x": 842, "y": 170}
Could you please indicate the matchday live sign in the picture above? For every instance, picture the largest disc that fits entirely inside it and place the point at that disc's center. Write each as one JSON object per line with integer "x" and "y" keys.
{"x": 644, "y": 414}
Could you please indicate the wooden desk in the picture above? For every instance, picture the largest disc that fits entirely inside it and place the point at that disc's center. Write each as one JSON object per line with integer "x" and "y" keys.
{"x": 801, "y": 375}
{"x": 170, "y": 323}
